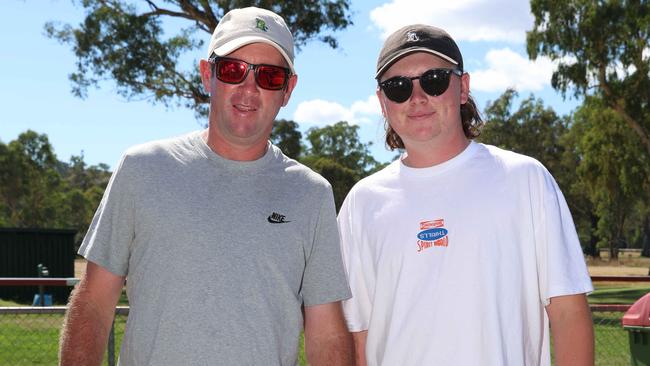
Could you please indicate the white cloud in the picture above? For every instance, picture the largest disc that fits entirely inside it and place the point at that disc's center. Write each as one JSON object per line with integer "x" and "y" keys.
{"x": 622, "y": 71}
{"x": 468, "y": 20}
{"x": 506, "y": 68}
{"x": 320, "y": 112}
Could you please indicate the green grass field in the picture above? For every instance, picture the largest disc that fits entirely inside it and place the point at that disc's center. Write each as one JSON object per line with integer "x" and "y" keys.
{"x": 610, "y": 337}
{"x": 27, "y": 339}
{"x": 33, "y": 339}
{"x": 618, "y": 293}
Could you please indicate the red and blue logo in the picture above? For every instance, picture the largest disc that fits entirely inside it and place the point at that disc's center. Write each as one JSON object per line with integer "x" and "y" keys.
{"x": 432, "y": 234}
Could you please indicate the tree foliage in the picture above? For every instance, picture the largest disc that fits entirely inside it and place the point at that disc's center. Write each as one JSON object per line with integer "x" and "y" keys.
{"x": 341, "y": 143}
{"x": 27, "y": 177}
{"x": 287, "y": 137}
{"x": 340, "y": 177}
{"x": 39, "y": 191}
{"x": 602, "y": 50}
{"x": 533, "y": 129}
{"x": 613, "y": 171}
{"x": 124, "y": 41}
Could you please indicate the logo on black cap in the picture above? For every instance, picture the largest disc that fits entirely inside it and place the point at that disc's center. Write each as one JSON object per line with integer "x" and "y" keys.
{"x": 412, "y": 37}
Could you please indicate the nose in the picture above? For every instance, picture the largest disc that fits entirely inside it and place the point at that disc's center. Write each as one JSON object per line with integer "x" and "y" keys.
{"x": 249, "y": 84}
{"x": 418, "y": 95}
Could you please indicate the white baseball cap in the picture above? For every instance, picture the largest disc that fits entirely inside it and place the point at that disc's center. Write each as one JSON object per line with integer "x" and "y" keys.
{"x": 240, "y": 27}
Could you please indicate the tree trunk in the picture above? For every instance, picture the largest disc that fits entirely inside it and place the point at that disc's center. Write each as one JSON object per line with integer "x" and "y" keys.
{"x": 645, "y": 237}
{"x": 592, "y": 246}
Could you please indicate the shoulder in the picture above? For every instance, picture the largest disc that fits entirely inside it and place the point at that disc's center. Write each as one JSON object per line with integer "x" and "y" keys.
{"x": 149, "y": 154}
{"x": 509, "y": 160}
{"x": 506, "y": 156}
{"x": 517, "y": 170}
{"x": 371, "y": 193}
{"x": 378, "y": 181}
{"x": 302, "y": 175}
{"x": 296, "y": 173}
{"x": 161, "y": 148}
{"x": 155, "y": 156}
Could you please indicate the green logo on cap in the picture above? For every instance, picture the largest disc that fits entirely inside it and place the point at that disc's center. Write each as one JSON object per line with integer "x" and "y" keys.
{"x": 261, "y": 25}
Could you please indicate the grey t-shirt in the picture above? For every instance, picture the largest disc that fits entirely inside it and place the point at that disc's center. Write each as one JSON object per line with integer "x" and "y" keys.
{"x": 220, "y": 255}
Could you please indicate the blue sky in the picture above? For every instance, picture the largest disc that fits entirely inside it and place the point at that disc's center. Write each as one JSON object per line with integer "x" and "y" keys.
{"x": 35, "y": 90}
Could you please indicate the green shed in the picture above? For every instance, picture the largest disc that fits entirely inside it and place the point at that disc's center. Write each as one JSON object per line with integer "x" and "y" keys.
{"x": 22, "y": 250}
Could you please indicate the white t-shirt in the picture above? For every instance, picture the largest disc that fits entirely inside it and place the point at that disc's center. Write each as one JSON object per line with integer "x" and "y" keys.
{"x": 453, "y": 264}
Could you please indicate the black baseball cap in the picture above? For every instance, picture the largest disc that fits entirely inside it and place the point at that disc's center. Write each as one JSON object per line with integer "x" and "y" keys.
{"x": 418, "y": 38}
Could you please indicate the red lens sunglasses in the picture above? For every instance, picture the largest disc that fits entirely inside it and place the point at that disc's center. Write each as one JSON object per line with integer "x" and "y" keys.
{"x": 234, "y": 71}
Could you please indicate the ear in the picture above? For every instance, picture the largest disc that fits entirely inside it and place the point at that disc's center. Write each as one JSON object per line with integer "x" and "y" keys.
{"x": 293, "y": 80}
{"x": 205, "y": 68}
{"x": 464, "y": 88}
{"x": 382, "y": 102}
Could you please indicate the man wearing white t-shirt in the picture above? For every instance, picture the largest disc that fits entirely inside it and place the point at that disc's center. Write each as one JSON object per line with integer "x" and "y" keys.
{"x": 458, "y": 253}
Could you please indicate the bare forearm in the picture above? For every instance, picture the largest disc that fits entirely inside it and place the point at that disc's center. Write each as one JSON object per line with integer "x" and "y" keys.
{"x": 334, "y": 351}
{"x": 327, "y": 340}
{"x": 572, "y": 331}
{"x": 360, "y": 347}
{"x": 574, "y": 346}
{"x": 84, "y": 334}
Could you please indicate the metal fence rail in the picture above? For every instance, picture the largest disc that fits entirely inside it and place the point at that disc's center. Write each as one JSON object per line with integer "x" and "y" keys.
{"x": 29, "y": 335}
{"x": 620, "y": 278}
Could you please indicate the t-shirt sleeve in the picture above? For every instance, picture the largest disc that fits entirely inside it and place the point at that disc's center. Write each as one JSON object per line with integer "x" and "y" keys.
{"x": 562, "y": 266}
{"x": 112, "y": 230}
{"x": 324, "y": 279}
{"x": 357, "y": 309}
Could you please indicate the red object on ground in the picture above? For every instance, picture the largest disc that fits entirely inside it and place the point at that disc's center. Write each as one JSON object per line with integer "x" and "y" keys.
{"x": 639, "y": 314}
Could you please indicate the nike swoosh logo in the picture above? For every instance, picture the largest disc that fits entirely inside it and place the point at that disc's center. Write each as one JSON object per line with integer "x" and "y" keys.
{"x": 276, "y": 221}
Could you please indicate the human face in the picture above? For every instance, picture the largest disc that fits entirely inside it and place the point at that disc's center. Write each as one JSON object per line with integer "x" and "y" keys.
{"x": 242, "y": 115}
{"x": 424, "y": 121}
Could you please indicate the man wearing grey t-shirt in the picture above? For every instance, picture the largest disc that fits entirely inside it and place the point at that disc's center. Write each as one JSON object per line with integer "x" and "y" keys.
{"x": 230, "y": 247}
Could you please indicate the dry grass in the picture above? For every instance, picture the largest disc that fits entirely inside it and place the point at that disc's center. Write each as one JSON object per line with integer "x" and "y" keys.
{"x": 79, "y": 267}
{"x": 626, "y": 267}
{"x": 617, "y": 271}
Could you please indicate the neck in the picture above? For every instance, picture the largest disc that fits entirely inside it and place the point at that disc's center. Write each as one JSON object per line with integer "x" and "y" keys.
{"x": 428, "y": 155}
{"x": 230, "y": 151}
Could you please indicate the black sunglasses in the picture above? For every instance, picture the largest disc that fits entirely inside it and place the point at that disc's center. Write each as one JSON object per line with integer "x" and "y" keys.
{"x": 234, "y": 71}
{"x": 434, "y": 82}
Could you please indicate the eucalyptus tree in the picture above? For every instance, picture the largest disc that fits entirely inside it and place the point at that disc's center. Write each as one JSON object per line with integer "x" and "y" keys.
{"x": 143, "y": 46}
{"x": 602, "y": 50}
